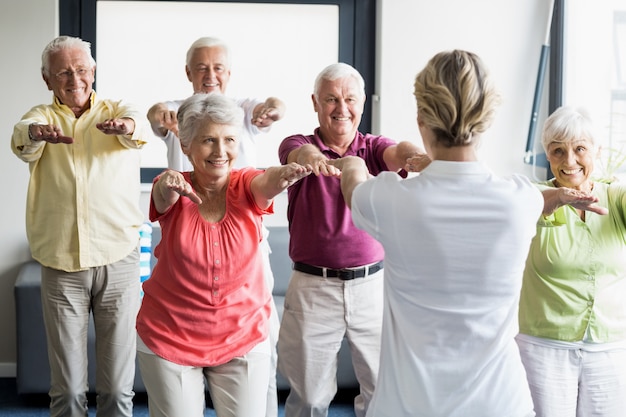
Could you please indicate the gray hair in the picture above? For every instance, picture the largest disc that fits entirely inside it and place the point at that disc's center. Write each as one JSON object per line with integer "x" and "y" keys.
{"x": 208, "y": 42}
{"x": 566, "y": 124}
{"x": 336, "y": 71}
{"x": 64, "y": 42}
{"x": 207, "y": 108}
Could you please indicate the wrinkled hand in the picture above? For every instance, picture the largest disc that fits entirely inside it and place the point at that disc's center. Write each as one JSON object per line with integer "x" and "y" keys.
{"x": 117, "y": 126}
{"x": 49, "y": 133}
{"x": 167, "y": 119}
{"x": 292, "y": 173}
{"x": 581, "y": 200}
{"x": 265, "y": 117}
{"x": 173, "y": 181}
{"x": 323, "y": 166}
{"x": 346, "y": 162}
{"x": 417, "y": 162}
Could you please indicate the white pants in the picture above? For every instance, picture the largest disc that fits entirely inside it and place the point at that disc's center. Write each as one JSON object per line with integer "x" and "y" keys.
{"x": 574, "y": 382}
{"x": 319, "y": 312}
{"x": 238, "y": 388}
{"x": 111, "y": 294}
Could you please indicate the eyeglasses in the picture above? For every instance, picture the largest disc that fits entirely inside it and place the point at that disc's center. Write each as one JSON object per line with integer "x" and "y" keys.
{"x": 66, "y": 75}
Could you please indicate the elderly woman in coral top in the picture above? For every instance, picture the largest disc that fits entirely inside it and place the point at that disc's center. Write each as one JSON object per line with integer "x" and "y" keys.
{"x": 206, "y": 306}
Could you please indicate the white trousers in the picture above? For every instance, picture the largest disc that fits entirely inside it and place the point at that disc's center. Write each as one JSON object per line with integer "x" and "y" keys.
{"x": 238, "y": 388}
{"x": 319, "y": 312}
{"x": 574, "y": 382}
{"x": 111, "y": 294}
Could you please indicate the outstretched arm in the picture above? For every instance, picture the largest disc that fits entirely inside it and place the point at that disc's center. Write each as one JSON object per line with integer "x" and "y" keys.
{"x": 162, "y": 119}
{"x": 123, "y": 126}
{"x": 272, "y": 110}
{"x": 310, "y": 155}
{"x": 554, "y": 198}
{"x": 168, "y": 189}
{"x": 274, "y": 180}
{"x": 353, "y": 172}
{"x": 47, "y": 133}
{"x": 406, "y": 155}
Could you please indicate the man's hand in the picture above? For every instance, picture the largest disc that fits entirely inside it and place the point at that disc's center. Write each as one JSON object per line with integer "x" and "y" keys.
{"x": 123, "y": 126}
{"x": 163, "y": 118}
{"x": 48, "y": 133}
{"x": 265, "y": 117}
{"x": 272, "y": 110}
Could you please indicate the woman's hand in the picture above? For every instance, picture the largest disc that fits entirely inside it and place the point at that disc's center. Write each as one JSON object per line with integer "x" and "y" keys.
{"x": 168, "y": 189}
{"x": 292, "y": 173}
{"x": 274, "y": 180}
{"x": 417, "y": 162}
{"x": 580, "y": 200}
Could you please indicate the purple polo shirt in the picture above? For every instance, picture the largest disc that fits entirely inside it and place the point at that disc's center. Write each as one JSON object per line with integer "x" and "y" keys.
{"x": 320, "y": 223}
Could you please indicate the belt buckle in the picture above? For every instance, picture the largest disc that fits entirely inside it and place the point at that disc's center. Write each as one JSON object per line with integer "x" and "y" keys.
{"x": 346, "y": 274}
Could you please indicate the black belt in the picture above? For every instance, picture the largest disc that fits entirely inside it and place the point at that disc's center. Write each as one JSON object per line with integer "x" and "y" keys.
{"x": 342, "y": 274}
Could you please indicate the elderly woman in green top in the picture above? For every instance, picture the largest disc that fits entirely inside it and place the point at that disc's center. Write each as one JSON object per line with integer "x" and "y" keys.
{"x": 573, "y": 303}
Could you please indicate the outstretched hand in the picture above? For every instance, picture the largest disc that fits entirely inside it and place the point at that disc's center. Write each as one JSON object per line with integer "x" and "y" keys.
{"x": 324, "y": 166}
{"x": 347, "y": 162}
{"x": 265, "y": 117}
{"x": 292, "y": 173}
{"x": 173, "y": 182}
{"x": 581, "y": 200}
{"x": 417, "y": 162}
{"x": 117, "y": 126}
{"x": 48, "y": 133}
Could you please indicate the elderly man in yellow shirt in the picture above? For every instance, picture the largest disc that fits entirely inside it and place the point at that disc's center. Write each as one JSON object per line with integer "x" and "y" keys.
{"x": 82, "y": 223}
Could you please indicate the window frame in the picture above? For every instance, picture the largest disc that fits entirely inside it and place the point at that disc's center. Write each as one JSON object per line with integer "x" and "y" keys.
{"x": 357, "y": 33}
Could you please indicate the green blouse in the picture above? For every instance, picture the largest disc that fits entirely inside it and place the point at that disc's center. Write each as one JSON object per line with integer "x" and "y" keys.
{"x": 574, "y": 286}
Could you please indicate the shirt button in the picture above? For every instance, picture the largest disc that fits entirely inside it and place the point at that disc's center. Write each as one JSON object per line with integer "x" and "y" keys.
{"x": 216, "y": 293}
{"x": 215, "y": 243}
{"x": 216, "y": 278}
{"x": 589, "y": 303}
{"x": 217, "y": 261}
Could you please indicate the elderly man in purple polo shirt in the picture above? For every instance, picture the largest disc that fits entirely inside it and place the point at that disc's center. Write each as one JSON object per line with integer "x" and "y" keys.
{"x": 336, "y": 289}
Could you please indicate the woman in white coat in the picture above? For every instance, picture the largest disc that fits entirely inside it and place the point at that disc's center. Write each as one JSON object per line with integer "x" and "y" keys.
{"x": 456, "y": 237}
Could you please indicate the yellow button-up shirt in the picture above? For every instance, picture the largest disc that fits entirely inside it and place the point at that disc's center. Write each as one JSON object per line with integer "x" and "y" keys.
{"x": 82, "y": 206}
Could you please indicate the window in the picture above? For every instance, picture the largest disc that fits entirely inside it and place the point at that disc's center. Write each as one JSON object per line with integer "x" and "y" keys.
{"x": 286, "y": 43}
{"x": 594, "y": 69}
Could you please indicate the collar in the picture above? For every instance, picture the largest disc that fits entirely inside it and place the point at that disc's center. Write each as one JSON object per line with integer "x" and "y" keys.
{"x": 65, "y": 108}
{"x": 358, "y": 143}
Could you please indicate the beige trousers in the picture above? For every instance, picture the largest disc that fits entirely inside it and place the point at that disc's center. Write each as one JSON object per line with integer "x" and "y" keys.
{"x": 111, "y": 294}
{"x": 319, "y": 313}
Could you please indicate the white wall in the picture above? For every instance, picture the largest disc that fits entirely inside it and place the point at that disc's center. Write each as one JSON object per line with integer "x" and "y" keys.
{"x": 508, "y": 36}
{"x": 25, "y": 28}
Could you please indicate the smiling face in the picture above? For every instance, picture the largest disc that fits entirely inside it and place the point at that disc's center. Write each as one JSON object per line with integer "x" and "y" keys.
{"x": 572, "y": 162}
{"x": 213, "y": 150}
{"x": 339, "y": 106}
{"x": 70, "y": 77}
{"x": 208, "y": 70}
